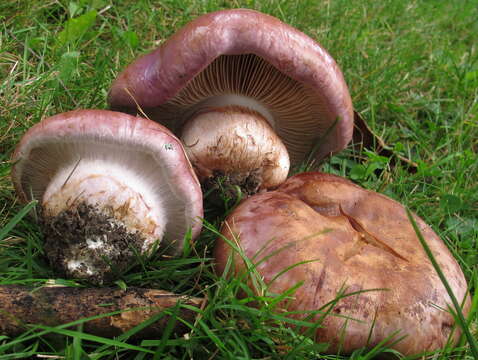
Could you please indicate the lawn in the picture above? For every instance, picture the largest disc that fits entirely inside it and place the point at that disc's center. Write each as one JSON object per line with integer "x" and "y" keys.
{"x": 412, "y": 70}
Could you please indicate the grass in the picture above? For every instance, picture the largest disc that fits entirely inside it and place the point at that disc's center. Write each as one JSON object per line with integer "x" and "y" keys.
{"x": 412, "y": 69}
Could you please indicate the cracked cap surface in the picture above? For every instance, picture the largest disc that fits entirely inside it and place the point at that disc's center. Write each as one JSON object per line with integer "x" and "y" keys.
{"x": 351, "y": 239}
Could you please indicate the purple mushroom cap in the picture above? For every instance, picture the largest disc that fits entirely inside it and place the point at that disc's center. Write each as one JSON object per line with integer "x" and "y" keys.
{"x": 254, "y": 55}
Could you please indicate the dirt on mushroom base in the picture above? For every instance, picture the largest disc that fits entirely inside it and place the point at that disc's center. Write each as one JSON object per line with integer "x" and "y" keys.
{"x": 232, "y": 186}
{"x": 108, "y": 250}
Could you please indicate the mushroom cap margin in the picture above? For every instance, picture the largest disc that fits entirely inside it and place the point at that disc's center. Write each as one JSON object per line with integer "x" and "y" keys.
{"x": 155, "y": 78}
{"x": 135, "y": 131}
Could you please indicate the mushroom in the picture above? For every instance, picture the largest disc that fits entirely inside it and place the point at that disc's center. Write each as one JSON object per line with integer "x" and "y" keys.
{"x": 247, "y": 94}
{"x": 358, "y": 258}
{"x": 111, "y": 186}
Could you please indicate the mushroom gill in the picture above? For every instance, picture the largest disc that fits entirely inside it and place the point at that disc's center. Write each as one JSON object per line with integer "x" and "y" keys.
{"x": 242, "y": 58}
{"x": 110, "y": 186}
{"x": 290, "y": 107}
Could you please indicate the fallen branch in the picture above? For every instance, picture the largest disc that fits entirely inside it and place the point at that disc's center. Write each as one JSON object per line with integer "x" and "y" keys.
{"x": 53, "y": 306}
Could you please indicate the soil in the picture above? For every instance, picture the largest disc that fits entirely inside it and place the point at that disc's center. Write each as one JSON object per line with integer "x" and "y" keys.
{"x": 221, "y": 187}
{"x": 100, "y": 247}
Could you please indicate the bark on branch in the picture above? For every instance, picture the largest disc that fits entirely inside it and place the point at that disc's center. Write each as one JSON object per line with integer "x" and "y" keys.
{"x": 53, "y": 306}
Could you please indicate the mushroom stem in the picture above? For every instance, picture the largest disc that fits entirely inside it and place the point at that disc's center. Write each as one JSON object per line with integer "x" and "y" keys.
{"x": 103, "y": 211}
{"x": 232, "y": 136}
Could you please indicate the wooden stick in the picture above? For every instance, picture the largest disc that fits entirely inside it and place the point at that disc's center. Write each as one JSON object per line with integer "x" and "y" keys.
{"x": 53, "y": 306}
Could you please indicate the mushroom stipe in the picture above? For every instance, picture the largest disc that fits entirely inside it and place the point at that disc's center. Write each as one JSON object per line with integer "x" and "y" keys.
{"x": 110, "y": 186}
{"x": 291, "y": 88}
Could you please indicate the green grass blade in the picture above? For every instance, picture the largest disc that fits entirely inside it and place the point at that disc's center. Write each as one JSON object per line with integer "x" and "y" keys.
{"x": 77, "y": 349}
{"x": 457, "y": 308}
{"x": 97, "y": 339}
{"x": 16, "y": 219}
{"x": 29, "y": 335}
{"x": 473, "y": 309}
{"x": 167, "y": 331}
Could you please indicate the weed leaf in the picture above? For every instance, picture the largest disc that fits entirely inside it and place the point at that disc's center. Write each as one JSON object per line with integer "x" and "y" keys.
{"x": 75, "y": 28}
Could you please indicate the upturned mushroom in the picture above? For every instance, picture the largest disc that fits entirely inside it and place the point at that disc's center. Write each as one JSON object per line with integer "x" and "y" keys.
{"x": 111, "y": 186}
{"x": 360, "y": 261}
{"x": 247, "y": 94}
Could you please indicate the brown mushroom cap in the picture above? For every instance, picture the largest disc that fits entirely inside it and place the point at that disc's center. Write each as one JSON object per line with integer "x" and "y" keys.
{"x": 361, "y": 240}
{"x": 131, "y": 170}
{"x": 247, "y": 53}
